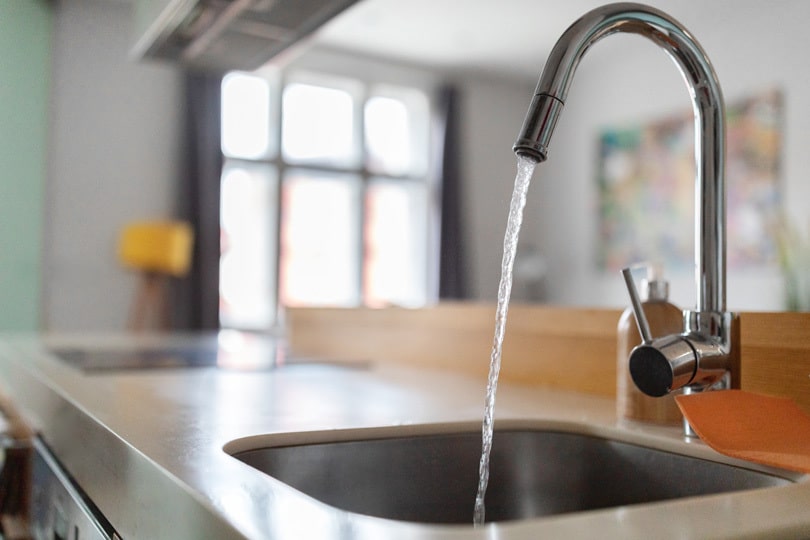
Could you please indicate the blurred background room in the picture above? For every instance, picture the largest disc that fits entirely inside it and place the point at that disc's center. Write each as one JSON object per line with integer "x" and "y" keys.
{"x": 370, "y": 162}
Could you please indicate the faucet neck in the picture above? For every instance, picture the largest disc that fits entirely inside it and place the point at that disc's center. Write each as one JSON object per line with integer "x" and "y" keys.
{"x": 707, "y": 100}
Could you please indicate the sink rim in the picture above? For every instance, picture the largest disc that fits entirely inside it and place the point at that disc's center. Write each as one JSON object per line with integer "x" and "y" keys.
{"x": 663, "y": 439}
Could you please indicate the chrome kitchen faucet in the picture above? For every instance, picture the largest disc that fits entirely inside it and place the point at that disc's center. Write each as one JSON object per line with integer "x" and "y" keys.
{"x": 706, "y": 354}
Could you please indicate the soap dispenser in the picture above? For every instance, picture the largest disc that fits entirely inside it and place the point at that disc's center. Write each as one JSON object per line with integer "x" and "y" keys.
{"x": 664, "y": 318}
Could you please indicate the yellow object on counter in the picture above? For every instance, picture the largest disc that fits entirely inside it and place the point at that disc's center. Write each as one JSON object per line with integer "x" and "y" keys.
{"x": 157, "y": 246}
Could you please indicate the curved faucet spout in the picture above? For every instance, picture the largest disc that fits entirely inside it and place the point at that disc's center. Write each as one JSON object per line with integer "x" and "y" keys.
{"x": 707, "y": 99}
{"x": 706, "y": 353}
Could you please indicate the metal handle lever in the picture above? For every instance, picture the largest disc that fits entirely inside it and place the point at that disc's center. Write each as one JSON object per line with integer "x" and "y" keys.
{"x": 638, "y": 309}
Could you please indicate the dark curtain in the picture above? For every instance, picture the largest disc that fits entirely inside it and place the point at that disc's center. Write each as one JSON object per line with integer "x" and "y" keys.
{"x": 452, "y": 268}
{"x": 196, "y": 298}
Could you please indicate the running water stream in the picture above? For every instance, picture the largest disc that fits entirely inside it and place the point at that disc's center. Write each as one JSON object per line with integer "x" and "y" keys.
{"x": 522, "y": 179}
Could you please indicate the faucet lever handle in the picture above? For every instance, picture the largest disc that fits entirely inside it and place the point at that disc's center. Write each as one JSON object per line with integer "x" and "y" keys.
{"x": 638, "y": 309}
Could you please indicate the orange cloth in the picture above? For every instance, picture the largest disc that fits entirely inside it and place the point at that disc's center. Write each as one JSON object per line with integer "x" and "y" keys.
{"x": 764, "y": 429}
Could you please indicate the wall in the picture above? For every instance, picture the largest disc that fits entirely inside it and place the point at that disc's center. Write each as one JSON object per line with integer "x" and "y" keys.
{"x": 627, "y": 79}
{"x": 114, "y": 151}
{"x": 24, "y": 67}
{"x": 491, "y": 113}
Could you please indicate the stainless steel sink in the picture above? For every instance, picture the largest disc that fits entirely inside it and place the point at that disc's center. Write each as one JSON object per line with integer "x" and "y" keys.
{"x": 433, "y": 478}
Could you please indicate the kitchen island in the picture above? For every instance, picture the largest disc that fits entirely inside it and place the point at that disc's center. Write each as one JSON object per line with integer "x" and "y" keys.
{"x": 147, "y": 445}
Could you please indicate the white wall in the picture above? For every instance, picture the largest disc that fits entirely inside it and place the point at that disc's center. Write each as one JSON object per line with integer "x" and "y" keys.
{"x": 113, "y": 158}
{"x": 624, "y": 79}
{"x": 491, "y": 112}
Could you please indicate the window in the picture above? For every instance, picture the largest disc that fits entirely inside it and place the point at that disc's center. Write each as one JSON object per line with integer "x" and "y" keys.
{"x": 395, "y": 260}
{"x": 319, "y": 229}
{"x": 248, "y": 242}
{"x": 326, "y": 196}
{"x": 318, "y": 126}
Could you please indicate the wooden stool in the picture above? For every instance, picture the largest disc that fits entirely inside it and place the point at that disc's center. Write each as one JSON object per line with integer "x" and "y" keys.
{"x": 158, "y": 250}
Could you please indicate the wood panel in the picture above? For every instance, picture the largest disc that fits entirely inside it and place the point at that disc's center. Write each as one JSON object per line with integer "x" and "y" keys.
{"x": 560, "y": 347}
{"x": 573, "y": 349}
{"x": 776, "y": 355}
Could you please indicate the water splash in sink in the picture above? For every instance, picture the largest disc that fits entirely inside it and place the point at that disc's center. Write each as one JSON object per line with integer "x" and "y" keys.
{"x": 522, "y": 179}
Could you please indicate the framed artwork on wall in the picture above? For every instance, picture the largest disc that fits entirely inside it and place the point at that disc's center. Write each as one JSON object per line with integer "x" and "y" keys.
{"x": 646, "y": 178}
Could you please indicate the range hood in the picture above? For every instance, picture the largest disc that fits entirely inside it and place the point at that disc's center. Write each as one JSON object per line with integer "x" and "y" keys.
{"x": 220, "y": 35}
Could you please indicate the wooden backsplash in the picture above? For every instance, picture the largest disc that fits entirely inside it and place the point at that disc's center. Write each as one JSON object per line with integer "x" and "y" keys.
{"x": 566, "y": 348}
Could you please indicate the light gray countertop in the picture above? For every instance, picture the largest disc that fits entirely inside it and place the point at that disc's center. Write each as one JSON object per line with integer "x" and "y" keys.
{"x": 147, "y": 446}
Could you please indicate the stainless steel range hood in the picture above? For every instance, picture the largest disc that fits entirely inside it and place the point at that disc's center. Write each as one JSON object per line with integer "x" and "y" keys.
{"x": 226, "y": 34}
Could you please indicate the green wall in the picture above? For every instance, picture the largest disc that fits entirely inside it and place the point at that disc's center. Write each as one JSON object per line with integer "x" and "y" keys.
{"x": 25, "y": 37}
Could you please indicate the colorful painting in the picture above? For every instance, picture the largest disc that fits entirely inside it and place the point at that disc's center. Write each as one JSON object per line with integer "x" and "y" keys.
{"x": 647, "y": 185}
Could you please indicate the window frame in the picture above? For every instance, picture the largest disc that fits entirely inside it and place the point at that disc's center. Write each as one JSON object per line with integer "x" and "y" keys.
{"x": 361, "y": 89}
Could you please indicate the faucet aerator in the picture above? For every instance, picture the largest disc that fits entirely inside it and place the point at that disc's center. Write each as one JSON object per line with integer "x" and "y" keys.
{"x": 526, "y": 149}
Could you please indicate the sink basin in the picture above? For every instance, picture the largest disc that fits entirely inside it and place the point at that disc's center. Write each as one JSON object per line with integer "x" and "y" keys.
{"x": 433, "y": 478}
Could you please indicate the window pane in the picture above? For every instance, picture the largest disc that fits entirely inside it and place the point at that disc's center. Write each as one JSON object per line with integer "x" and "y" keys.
{"x": 318, "y": 125}
{"x": 248, "y": 235}
{"x": 320, "y": 251}
{"x": 246, "y": 117}
{"x": 396, "y": 244}
{"x": 396, "y": 131}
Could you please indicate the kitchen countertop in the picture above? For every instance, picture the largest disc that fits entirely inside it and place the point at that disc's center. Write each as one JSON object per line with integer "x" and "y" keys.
{"x": 147, "y": 445}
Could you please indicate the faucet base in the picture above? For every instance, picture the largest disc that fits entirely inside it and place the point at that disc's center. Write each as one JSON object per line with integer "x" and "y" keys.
{"x": 724, "y": 383}
{"x": 716, "y": 339}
